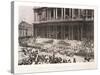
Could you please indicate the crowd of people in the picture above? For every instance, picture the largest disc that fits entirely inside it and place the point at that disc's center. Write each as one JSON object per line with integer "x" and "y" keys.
{"x": 38, "y": 54}
{"x": 37, "y": 57}
{"x": 43, "y": 59}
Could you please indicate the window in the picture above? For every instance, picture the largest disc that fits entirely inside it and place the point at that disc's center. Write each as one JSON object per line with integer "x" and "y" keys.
{"x": 67, "y": 11}
{"x": 89, "y": 13}
{"x": 59, "y": 12}
{"x": 52, "y": 15}
{"x": 76, "y": 12}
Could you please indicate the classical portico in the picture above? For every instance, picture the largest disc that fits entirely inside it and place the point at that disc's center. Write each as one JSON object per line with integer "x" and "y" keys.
{"x": 63, "y": 23}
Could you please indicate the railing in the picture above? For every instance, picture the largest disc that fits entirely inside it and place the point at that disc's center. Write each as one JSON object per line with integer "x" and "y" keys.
{"x": 63, "y": 20}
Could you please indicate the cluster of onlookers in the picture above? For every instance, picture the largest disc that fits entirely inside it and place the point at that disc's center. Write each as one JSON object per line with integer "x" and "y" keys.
{"x": 35, "y": 53}
{"x": 35, "y": 58}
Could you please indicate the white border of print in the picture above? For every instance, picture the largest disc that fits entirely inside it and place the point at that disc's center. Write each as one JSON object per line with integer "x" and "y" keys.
{"x": 51, "y": 67}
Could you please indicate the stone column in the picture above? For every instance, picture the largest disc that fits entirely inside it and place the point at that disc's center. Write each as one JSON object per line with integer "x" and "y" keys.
{"x": 92, "y": 14}
{"x": 56, "y": 13}
{"x": 73, "y": 13}
{"x": 62, "y": 13}
{"x": 86, "y": 14}
{"x": 70, "y": 12}
{"x": 81, "y": 31}
{"x": 79, "y": 13}
{"x": 49, "y": 14}
{"x": 35, "y": 16}
{"x": 69, "y": 32}
{"x": 72, "y": 32}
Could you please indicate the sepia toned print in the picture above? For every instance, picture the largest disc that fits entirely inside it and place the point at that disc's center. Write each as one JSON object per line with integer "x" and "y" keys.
{"x": 56, "y": 35}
